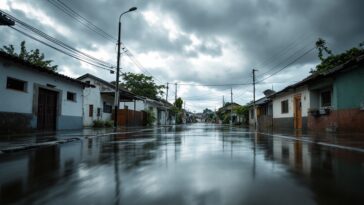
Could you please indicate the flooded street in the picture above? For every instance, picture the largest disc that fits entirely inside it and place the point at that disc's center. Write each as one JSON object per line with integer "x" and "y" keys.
{"x": 194, "y": 164}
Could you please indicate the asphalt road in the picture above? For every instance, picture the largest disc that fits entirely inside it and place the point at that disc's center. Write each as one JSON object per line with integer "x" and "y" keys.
{"x": 193, "y": 164}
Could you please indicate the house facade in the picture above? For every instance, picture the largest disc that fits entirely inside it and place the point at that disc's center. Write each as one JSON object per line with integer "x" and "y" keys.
{"x": 327, "y": 101}
{"x": 33, "y": 97}
{"x": 290, "y": 107}
{"x": 264, "y": 111}
{"x": 98, "y": 99}
{"x": 337, "y": 99}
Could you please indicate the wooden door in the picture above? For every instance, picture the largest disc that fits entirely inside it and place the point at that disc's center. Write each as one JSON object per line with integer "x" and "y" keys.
{"x": 47, "y": 109}
{"x": 297, "y": 112}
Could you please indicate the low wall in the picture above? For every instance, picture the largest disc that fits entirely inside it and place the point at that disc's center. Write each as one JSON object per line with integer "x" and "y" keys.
{"x": 338, "y": 120}
{"x": 14, "y": 122}
{"x": 69, "y": 122}
{"x": 287, "y": 123}
{"x": 265, "y": 122}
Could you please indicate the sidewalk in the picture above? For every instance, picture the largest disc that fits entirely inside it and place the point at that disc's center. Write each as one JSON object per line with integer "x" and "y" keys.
{"x": 24, "y": 141}
{"x": 343, "y": 140}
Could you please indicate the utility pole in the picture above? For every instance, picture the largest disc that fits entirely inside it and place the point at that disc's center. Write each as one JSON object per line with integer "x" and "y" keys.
{"x": 254, "y": 107}
{"x": 116, "y": 102}
{"x": 223, "y": 101}
{"x": 167, "y": 92}
{"x": 231, "y": 111}
{"x": 231, "y": 95}
{"x": 175, "y": 94}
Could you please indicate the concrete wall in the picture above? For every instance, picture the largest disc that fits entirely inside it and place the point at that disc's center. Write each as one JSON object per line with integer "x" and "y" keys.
{"x": 25, "y": 103}
{"x": 349, "y": 89}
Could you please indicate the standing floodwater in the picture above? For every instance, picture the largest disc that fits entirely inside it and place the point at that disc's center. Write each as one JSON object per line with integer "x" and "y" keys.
{"x": 197, "y": 164}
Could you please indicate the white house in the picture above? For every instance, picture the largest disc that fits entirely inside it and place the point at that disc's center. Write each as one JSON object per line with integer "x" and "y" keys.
{"x": 290, "y": 107}
{"x": 99, "y": 98}
{"x": 33, "y": 97}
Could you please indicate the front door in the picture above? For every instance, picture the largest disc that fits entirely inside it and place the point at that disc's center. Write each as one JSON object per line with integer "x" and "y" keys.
{"x": 297, "y": 112}
{"x": 47, "y": 109}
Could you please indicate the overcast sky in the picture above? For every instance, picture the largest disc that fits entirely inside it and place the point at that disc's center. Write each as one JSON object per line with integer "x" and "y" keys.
{"x": 202, "y": 42}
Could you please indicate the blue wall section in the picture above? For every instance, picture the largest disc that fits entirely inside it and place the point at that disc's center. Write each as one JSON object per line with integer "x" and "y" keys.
{"x": 349, "y": 89}
{"x": 69, "y": 122}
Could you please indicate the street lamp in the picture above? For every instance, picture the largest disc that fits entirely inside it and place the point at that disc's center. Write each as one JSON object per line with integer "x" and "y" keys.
{"x": 118, "y": 69}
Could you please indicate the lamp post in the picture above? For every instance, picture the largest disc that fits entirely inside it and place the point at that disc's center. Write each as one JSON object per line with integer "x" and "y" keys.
{"x": 118, "y": 69}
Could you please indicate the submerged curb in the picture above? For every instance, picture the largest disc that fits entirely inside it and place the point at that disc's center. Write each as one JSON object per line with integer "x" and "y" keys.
{"x": 37, "y": 145}
{"x": 67, "y": 140}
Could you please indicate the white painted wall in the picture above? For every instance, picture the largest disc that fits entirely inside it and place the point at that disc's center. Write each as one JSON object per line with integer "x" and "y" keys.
{"x": 92, "y": 96}
{"x": 22, "y": 102}
{"x": 305, "y": 101}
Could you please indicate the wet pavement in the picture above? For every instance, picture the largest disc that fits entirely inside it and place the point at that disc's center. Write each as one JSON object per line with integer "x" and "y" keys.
{"x": 194, "y": 164}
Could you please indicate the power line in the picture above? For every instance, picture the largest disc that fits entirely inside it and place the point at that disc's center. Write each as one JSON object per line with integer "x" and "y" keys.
{"x": 80, "y": 19}
{"x": 84, "y": 21}
{"x": 73, "y": 51}
{"x": 64, "y": 52}
{"x": 289, "y": 64}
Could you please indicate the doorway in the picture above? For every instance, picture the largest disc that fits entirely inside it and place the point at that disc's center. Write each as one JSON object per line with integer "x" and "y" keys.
{"x": 297, "y": 112}
{"x": 47, "y": 109}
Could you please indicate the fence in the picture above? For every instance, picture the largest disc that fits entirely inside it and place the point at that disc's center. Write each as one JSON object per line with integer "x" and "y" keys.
{"x": 131, "y": 118}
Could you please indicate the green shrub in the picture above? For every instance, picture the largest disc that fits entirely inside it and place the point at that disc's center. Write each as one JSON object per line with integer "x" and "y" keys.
{"x": 109, "y": 123}
{"x": 98, "y": 123}
{"x": 150, "y": 117}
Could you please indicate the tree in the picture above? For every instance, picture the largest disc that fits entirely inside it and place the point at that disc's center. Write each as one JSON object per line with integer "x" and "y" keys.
{"x": 243, "y": 111}
{"x": 335, "y": 60}
{"x": 321, "y": 47}
{"x": 34, "y": 57}
{"x": 179, "y": 103}
{"x": 142, "y": 85}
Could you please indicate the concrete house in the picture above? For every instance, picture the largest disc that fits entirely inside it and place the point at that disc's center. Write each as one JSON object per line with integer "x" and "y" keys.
{"x": 290, "y": 107}
{"x": 331, "y": 101}
{"x": 337, "y": 98}
{"x": 229, "y": 112}
{"x": 264, "y": 110}
{"x": 98, "y": 103}
{"x": 33, "y": 97}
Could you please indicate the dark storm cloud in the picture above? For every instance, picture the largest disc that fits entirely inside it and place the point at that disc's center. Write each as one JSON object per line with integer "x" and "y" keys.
{"x": 263, "y": 34}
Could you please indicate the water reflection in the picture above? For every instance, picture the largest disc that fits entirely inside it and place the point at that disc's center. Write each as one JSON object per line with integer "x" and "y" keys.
{"x": 199, "y": 164}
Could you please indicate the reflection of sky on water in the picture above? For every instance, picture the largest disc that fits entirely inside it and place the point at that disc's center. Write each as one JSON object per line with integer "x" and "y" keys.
{"x": 200, "y": 164}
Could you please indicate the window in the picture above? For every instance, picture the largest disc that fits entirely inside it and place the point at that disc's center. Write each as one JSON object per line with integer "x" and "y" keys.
{"x": 326, "y": 99}
{"x": 16, "y": 84}
{"x": 107, "y": 108}
{"x": 71, "y": 96}
{"x": 88, "y": 82}
{"x": 91, "y": 110}
{"x": 284, "y": 106}
{"x": 98, "y": 112}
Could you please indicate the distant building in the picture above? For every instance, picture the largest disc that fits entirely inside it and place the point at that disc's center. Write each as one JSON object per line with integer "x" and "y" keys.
{"x": 264, "y": 110}
{"x": 228, "y": 112}
{"x": 33, "y": 97}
